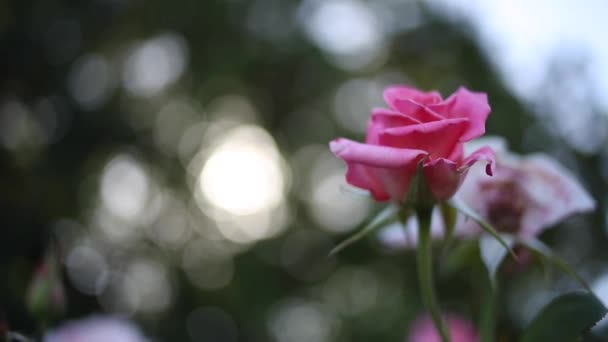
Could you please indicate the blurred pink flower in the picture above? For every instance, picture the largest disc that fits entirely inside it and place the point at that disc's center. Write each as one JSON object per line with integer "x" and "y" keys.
{"x": 96, "y": 329}
{"x": 525, "y": 196}
{"x": 423, "y": 330}
{"x": 418, "y": 125}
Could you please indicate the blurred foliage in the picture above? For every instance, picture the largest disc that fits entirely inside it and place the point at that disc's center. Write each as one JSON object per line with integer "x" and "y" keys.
{"x": 55, "y": 147}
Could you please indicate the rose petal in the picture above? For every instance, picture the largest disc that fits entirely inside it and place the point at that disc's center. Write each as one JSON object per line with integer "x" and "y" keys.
{"x": 400, "y": 92}
{"x": 413, "y": 102}
{"x": 364, "y": 177}
{"x": 555, "y": 192}
{"x": 438, "y": 138}
{"x": 468, "y": 104}
{"x": 457, "y": 153}
{"x": 416, "y": 110}
{"x": 389, "y": 118}
{"x": 445, "y": 176}
{"x": 470, "y": 189}
{"x": 385, "y": 171}
{"x": 372, "y": 155}
{"x": 383, "y": 118}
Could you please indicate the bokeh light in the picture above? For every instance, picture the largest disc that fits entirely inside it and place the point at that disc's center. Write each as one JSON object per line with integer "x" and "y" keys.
{"x": 88, "y": 270}
{"x": 90, "y": 81}
{"x": 243, "y": 174}
{"x": 352, "y": 291}
{"x": 208, "y": 264}
{"x": 242, "y": 185}
{"x": 330, "y": 202}
{"x": 302, "y": 321}
{"x": 348, "y": 30}
{"x": 125, "y": 188}
{"x": 155, "y": 64}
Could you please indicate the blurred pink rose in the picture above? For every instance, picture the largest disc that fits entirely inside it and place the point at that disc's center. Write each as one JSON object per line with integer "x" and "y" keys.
{"x": 526, "y": 196}
{"x": 423, "y": 330}
{"x": 417, "y": 125}
{"x": 96, "y": 329}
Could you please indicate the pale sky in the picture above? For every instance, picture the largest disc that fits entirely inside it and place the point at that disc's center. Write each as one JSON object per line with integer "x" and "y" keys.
{"x": 522, "y": 38}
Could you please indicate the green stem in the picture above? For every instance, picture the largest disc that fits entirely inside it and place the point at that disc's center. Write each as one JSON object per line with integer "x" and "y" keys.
{"x": 425, "y": 272}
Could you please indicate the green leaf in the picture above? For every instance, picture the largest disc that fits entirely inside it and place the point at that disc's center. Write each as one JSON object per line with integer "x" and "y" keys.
{"x": 471, "y": 213}
{"x": 493, "y": 253}
{"x": 565, "y": 318}
{"x": 547, "y": 254}
{"x": 386, "y": 216}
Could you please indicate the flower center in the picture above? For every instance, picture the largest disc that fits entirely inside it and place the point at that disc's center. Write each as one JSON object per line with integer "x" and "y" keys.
{"x": 505, "y": 204}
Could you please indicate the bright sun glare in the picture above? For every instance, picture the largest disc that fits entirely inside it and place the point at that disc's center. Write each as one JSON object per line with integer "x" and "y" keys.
{"x": 243, "y": 174}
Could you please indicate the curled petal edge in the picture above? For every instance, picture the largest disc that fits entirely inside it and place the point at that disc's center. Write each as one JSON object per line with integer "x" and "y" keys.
{"x": 486, "y": 154}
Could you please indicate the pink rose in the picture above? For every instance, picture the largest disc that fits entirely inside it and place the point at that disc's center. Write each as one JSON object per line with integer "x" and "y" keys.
{"x": 526, "y": 196}
{"x": 424, "y": 330}
{"x": 96, "y": 329}
{"x": 417, "y": 126}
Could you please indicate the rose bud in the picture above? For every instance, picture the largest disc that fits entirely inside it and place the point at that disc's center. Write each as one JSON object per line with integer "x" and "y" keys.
{"x": 45, "y": 294}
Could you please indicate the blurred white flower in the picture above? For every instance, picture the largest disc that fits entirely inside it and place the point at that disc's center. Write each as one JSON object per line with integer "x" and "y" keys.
{"x": 96, "y": 329}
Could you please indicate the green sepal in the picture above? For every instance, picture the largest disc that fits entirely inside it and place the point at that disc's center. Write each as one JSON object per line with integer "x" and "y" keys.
{"x": 419, "y": 196}
{"x": 386, "y": 216}
{"x": 449, "y": 216}
{"x": 566, "y": 318}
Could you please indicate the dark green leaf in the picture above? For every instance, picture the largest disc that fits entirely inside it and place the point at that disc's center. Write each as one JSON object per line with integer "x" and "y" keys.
{"x": 565, "y": 318}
